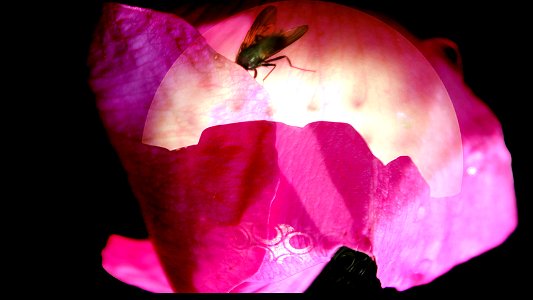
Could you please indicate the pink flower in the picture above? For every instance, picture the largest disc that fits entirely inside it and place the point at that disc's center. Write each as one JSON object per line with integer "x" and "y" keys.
{"x": 251, "y": 186}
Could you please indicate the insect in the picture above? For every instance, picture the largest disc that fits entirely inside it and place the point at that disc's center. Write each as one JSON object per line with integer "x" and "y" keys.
{"x": 263, "y": 41}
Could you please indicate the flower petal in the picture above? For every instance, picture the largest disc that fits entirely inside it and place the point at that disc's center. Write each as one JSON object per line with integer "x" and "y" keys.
{"x": 135, "y": 262}
{"x": 132, "y": 50}
{"x": 378, "y": 82}
{"x": 262, "y": 205}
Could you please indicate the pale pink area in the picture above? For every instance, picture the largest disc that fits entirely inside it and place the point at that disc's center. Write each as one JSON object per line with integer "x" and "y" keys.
{"x": 365, "y": 73}
{"x": 135, "y": 262}
{"x": 262, "y": 206}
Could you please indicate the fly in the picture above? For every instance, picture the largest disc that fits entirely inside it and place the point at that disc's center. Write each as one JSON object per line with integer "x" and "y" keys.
{"x": 263, "y": 41}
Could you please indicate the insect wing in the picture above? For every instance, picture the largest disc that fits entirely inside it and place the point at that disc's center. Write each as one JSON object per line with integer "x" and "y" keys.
{"x": 263, "y": 25}
{"x": 290, "y": 36}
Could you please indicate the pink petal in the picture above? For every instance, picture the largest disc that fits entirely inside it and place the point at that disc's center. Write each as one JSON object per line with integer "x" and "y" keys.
{"x": 132, "y": 50}
{"x": 135, "y": 262}
{"x": 262, "y": 206}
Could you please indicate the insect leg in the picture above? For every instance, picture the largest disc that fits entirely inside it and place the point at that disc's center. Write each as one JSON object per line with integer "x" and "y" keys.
{"x": 268, "y": 65}
{"x": 290, "y": 63}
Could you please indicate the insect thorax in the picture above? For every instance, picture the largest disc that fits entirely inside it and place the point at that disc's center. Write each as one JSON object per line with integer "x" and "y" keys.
{"x": 250, "y": 58}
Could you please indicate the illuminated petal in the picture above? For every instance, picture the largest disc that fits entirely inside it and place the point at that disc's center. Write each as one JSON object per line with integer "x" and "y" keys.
{"x": 132, "y": 50}
{"x": 366, "y": 74}
{"x": 484, "y": 214}
{"x": 135, "y": 262}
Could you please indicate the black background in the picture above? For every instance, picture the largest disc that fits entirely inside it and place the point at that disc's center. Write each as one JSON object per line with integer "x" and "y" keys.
{"x": 493, "y": 40}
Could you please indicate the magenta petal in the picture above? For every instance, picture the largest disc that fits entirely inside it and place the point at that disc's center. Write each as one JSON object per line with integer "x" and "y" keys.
{"x": 135, "y": 262}
{"x": 132, "y": 51}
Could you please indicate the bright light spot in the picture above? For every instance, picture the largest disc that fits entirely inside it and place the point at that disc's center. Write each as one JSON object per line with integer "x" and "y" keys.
{"x": 471, "y": 170}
